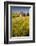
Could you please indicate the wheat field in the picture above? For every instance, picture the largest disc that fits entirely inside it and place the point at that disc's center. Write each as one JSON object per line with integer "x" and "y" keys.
{"x": 20, "y": 26}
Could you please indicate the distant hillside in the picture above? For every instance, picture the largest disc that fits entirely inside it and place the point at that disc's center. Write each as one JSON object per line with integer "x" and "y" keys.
{"x": 18, "y": 14}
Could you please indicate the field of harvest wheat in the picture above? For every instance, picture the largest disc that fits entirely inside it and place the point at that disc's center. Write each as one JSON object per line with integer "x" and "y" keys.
{"x": 20, "y": 26}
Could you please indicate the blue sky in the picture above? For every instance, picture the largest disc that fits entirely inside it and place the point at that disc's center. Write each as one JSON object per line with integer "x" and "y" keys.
{"x": 19, "y": 9}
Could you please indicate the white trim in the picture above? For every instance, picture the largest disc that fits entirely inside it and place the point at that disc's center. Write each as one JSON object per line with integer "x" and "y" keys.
{"x": 30, "y": 37}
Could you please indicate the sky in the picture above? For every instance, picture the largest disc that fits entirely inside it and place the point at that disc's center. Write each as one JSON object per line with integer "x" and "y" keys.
{"x": 15, "y": 9}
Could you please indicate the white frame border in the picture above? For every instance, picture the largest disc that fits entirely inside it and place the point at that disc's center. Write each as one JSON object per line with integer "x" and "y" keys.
{"x": 30, "y": 23}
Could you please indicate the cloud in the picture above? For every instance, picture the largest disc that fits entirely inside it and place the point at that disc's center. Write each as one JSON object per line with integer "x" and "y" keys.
{"x": 20, "y": 9}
